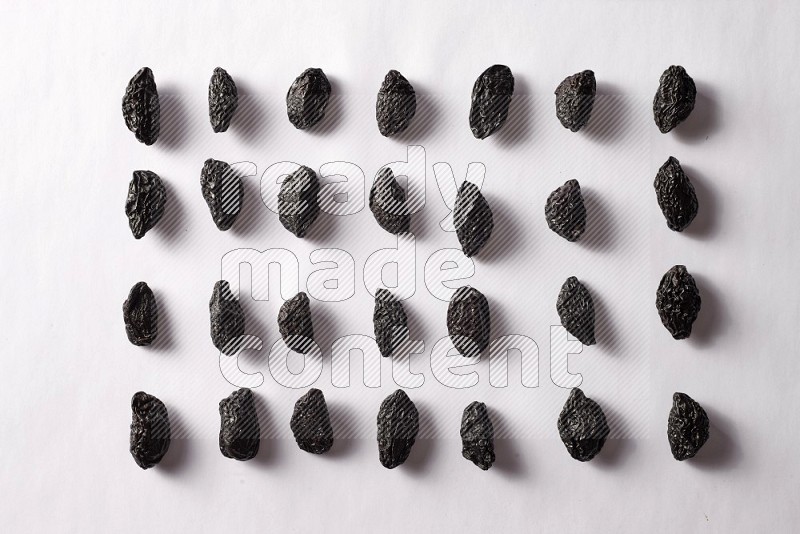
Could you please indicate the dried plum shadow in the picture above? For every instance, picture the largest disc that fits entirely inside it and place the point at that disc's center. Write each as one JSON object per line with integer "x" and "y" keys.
{"x": 252, "y": 216}
{"x": 325, "y": 326}
{"x": 249, "y": 123}
{"x": 426, "y": 118}
{"x": 418, "y": 329}
{"x": 508, "y": 460}
{"x": 501, "y": 245}
{"x": 605, "y": 332}
{"x": 712, "y": 319}
{"x": 178, "y": 457}
{"x": 615, "y": 450}
{"x": 255, "y": 324}
{"x": 174, "y": 120}
{"x": 721, "y": 451}
{"x": 345, "y": 424}
{"x": 704, "y": 225}
{"x": 601, "y": 228}
{"x": 334, "y": 113}
{"x": 171, "y": 227}
{"x": 704, "y": 119}
{"x": 421, "y": 456}
{"x": 267, "y": 451}
{"x": 612, "y": 115}
{"x": 165, "y": 340}
{"x": 329, "y": 229}
{"x": 517, "y": 128}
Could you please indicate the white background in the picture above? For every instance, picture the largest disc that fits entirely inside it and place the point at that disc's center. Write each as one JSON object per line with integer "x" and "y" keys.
{"x": 68, "y": 371}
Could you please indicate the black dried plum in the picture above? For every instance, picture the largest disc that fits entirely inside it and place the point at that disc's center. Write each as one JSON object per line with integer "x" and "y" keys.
{"x": 576, "y": 310}
{"x": 294, "y": 323}
{"x": 308, "y": 98}
{"x": 387, "y": 201}
{"x": 687, "y": 427}
{"x": 398, "y": 425}
{"x": 477, "y": 435}
{"x": 223, "y": 192}
{"x": 674, "y": 100}
{"x": 140, "y": 313}
{"x": 223, "y": 99}
{"x": 675, "y": 194}
{"x": 141, "y": 108}
{"x": 582, "y": 426}
{"x": 391, "y": 324}
{"x": 678, "y": 301}
{"x": 472, "y": 218}
{"x": 311, "y": 424}
{"x": 298, "y": 206}
{"x": 574, "y": 100}
{"x": 396, "y": 105}
{"x": 150, "y": 430}
{"x": 491, "y": 98}
{"x": 145, "y": 203}
{"x": 565, "y": 211}
{"x": 227, "y": 318}
{"x": 468, "y": 321}
{"x": 239, "y": 432}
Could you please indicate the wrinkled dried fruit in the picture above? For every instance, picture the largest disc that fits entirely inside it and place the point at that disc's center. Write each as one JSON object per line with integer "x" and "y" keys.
{"x": 582, "y": 426}
{"x": 239, "y": 431}
{"x": 477, "y": 435}
{"x": 223, "y": 192}
{"x": 311, "y": 424}
{"x": 150, "y": 430}
{"x": 396, "y": 104}
{"x": 391, "y": 325}
{"x": 145, "y": 203}
{"x": 565, "y": 212}
{"x": 678, "y": 301}
{"x": 687, "y": 427}
{"x": 387, "y": 200}
{"x": 294, "y": 323}
{"x": 398, "y": 425}
{"x": 491, "y": 98}
{"x": 472, "y": 218}
{"x": 576, "y": 309}
{"x": 227, "y": 318}
{"x": 223, "y": 99}
{"x": 675, "y": 194}
{"x": 574, "y": 100}
{"x": 298, "y": 206}
{"x": 140, "y": 107}
{"x": 140, "y": 313}
{"x": 468, "y": 322}
{"x": 307, "y": 98}
{"x": 674, "y": 99}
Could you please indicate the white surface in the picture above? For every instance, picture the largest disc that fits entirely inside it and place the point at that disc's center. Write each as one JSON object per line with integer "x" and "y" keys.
{"x": 68, "y": 261}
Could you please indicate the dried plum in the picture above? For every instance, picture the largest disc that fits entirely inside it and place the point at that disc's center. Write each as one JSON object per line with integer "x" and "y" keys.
{"x": 674, "y": 100}
{"x": 687, "y": 427}
{"x": 398, "y": 425}
{"x": 294, "y": 323}
{"x": 472, "y": 218}
{"x": 223, "y": 192}
{"x": 582, "y": 426}
{"x": 396, "y": 104}
{"x": 307, "y": 98}
{"x": 491, "y": 98}
{"x": 391, "y": 325}
{"x": 239, "y": 431}
{"x": 223, "y": 99}
{"x": 145, "y": 203}
{"x": 140, "y": 107}
{"x": 477, "y": 435}
{"x": 565, "y": 212}
{"x": 387, "y": 201}
{"x": 227, "y": 318}
{"x": 675, "y": 194}
{"x": 311, "y": 424}
{"x": 140, "y": 314}
{"x": 574, "y": 100}
{"x": 298, "y": 206}
{"x": 468, "y": 321}
{"x": 576, "y": 310}
{"x": 678, "y": 301}
{"x": 150, "y": 430}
